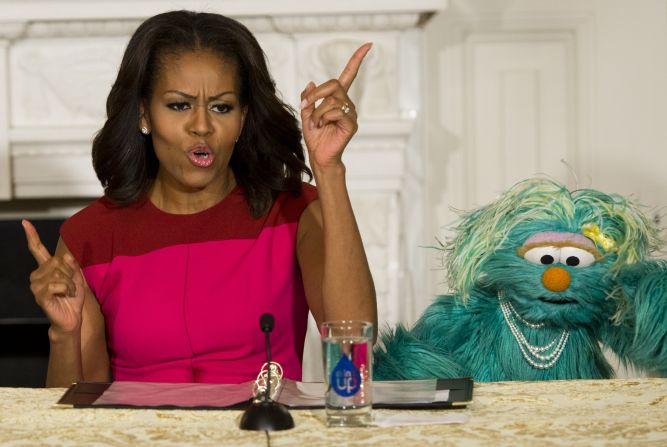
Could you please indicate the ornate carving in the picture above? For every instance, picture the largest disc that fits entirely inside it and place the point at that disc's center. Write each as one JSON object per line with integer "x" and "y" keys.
{"x": 257, "y": 24}
{"x": 279, "y": 51}
{"x": 375, "y": 89}
{"x": 76, "y": 148}
{"x": 12, "y": 31}
{"x": 339, "y": 23}
{"x": 79, "y": 28}
{"x": 47, "y": 91}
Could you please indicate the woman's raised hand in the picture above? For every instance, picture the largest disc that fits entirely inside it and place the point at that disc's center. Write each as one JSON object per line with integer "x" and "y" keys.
{"x": 328, "y": 127}
{"x": 57, "y": 284}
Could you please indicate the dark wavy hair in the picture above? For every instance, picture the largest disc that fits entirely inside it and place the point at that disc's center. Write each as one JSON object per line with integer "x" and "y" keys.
{"x": 268, "y": 157}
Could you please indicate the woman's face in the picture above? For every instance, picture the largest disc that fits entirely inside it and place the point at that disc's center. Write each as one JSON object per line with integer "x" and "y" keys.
{"x": 195, "y": 118}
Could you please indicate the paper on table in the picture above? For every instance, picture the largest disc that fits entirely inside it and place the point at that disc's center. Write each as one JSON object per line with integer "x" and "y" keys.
{"x": 396, "y": 419}
{"x": 408, "y": 392}
{"x": 152, "y": 394}
{"x": 293, "y": 394}
{"x": 389, "y": 392}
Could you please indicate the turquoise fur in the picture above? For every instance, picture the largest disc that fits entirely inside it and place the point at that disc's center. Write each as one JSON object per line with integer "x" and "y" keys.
{"x": 620, "y": 300}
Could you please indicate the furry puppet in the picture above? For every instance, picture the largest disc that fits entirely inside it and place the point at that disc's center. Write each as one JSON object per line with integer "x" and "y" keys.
{"x": 542, "y": 277}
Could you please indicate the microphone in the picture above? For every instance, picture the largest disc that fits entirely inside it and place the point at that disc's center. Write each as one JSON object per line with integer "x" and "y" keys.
{"x": 267, "y": 415}
{"x": 266, "y": 325}
{"x": 266, "y": 322}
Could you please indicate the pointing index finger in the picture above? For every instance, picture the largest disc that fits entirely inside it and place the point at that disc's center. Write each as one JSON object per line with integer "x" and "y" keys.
{"x": 352, "y": 68}
{"x": 38, "y": 250}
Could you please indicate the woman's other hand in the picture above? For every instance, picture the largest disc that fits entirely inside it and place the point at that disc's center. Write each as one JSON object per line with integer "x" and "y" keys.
{"x": 328, "y": 127}
{"x": 57, "y": 284}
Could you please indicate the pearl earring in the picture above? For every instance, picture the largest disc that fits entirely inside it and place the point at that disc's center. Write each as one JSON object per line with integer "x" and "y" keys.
{"x": 144, "y": 130}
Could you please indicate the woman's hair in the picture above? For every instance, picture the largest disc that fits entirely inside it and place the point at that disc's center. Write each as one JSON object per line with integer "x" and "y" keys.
{"x": 268, "y": 157}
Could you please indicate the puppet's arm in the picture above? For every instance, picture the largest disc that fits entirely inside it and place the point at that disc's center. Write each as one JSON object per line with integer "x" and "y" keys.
{"x": 419, "y": 353}
{"x": 641, "y": 336}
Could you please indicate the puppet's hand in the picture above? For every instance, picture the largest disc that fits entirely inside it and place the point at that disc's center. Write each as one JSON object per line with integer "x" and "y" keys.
{"x": 641, "y": 277}
{"x": 645, "y": 284}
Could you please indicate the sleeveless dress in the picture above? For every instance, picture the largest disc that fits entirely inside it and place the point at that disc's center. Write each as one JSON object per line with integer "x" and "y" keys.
{"x": 182, "y": 295}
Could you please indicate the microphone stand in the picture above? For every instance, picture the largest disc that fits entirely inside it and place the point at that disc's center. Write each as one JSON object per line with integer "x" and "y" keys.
{"x": 267, "y": 414}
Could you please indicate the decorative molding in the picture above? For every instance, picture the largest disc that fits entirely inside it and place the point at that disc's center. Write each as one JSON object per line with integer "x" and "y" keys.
{"x": 280, "y": 54}
{"x": 47, "y": 92}
{"x": 292, "y": 24}
{"x": 56, "y": 190}
{"x": 374, "y": 92}
{"x": 81, "y": 28}
{"x": 11, "y": 31}
{"x": 51, "y": 150}
{"x": 64, "y": 10}
{"x": 375, "y": 158}
{"x": 346, "y": 23}
{"x": 379, "y": 220}
{"x": 5, "y": 160}
{"x": 52, "y": 134}
{"x": 106, "y": 28}
{"x": 61, "y": 169}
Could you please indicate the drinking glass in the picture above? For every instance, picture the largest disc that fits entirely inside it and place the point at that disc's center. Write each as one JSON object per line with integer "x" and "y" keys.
{"x": 347, "y": 349}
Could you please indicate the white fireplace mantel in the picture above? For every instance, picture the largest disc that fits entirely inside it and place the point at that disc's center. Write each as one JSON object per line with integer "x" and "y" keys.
{"x": 58, "y": 60}
{"x": 86, "y": 10}
{"x": 20, "y": 18}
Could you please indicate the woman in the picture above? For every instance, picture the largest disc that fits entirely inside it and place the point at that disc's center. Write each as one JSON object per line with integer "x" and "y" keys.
{"x": 205, "y": 223}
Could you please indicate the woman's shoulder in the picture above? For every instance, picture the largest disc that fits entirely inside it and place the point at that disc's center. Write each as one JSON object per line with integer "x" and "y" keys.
{"x": 95, "y": 213}
{"x": 296, "y": 202}
{"x": 308, "y": 191}
{"x": 288, "y": 206}
{"x": 84, "y": 217}
{"x": 90, "y": 230}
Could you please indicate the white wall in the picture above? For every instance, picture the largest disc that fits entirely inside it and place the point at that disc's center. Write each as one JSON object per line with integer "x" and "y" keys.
{"x": 588, "y": 81}
{"x": 630, "y": 109}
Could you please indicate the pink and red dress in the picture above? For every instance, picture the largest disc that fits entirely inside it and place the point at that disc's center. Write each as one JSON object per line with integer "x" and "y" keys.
{"x": 182, "y": 295}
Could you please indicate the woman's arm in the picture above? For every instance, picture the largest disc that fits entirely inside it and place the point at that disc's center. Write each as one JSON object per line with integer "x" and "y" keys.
{"x": 335, "y": 271}
{"x": 77, "y": 339}
{"x": 334, "y": 268}
{"x": 84, "y": 357}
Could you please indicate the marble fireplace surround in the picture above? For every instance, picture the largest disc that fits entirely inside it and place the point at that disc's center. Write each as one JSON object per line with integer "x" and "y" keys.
{"x": 58, "y": 60}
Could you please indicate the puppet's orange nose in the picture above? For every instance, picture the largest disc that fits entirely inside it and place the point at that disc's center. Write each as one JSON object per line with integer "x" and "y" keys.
{"x": 556, "y": 279}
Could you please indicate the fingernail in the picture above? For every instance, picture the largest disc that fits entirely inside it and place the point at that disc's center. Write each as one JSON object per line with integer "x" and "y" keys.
{"x": 304, "y": 104}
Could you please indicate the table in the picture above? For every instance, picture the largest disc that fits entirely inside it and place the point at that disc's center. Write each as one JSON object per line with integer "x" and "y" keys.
{"x": 558, "y": 413}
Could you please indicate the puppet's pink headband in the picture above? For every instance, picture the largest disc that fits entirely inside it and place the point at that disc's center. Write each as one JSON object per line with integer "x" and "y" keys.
{"x": 559, "y": 239}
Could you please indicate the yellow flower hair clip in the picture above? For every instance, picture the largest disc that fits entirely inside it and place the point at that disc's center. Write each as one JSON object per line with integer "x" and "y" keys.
{"x": 592, "y": 232}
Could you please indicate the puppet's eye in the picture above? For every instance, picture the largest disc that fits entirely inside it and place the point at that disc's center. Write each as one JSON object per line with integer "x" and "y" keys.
{"x": 542, "y": 255}
{"x": 576, "y": 257}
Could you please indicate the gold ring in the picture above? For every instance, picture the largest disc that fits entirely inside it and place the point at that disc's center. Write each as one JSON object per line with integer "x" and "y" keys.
{"x": 345, "y": 108}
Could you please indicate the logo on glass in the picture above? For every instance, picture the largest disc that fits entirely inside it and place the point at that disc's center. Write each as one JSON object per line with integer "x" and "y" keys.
{"x": 345, "y": 377}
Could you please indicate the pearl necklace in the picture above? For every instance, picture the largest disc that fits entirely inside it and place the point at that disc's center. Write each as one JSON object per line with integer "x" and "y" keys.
{"x": 535, "y": 355}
